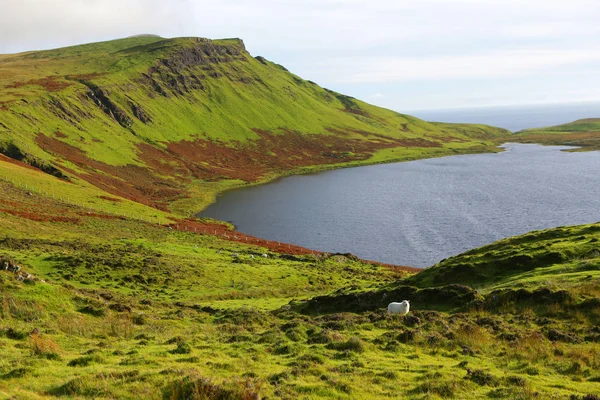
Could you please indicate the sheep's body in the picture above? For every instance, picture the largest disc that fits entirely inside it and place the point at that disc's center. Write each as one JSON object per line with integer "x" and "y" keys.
{"x": 399, "y": 308}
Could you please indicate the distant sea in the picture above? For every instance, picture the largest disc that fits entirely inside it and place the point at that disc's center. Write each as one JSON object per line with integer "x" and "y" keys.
{"x": 514, "y": 118}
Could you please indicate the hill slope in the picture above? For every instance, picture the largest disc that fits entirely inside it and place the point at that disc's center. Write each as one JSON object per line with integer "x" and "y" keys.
{"x": 584, "y": 133}
{"x": 102, "y": 295}
{"x": 111, "y": 307}
{"x": 169, "y": 122}
{"x": 566, "y": 256}
{"x": 106, "y": 307}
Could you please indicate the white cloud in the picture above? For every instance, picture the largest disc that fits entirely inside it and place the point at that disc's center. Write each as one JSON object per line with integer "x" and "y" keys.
{"x": 333, "y": 41}
{"x": 499, "y": 64}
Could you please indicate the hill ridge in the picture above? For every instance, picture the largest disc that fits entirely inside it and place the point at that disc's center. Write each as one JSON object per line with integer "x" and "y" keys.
{"x": 127, "y": 113}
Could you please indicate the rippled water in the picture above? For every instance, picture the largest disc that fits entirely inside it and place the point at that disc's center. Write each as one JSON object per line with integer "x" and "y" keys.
{"x": 417, "y": 213}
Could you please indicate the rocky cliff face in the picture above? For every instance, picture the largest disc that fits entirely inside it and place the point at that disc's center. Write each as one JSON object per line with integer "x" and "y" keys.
{"x": 178, "y": 73}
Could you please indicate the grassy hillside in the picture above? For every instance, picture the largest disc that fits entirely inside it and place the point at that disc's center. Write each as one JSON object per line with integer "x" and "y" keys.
{"x": 109, "y": 290}
{"x": 114, "y": 307}
{"x": 584, "y": 133}
{"x": 563, "y": 258}
{"x": 170, "y": 122}
{"x": 581, "y": 125}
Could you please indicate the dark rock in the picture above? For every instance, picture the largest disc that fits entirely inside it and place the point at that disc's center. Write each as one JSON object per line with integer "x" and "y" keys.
{"x": 262, "y": 60}
{"x": 411, "y": 320}
{"x": 558, "y": 336}
{"x": 409, "y": 336}
{"x": 100, "y": 97}
{"x": 140, "y": 113}
{"x": 120, "y": 307}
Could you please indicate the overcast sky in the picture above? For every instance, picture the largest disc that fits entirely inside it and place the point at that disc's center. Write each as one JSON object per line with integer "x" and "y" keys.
{"x": 401, "y": 54}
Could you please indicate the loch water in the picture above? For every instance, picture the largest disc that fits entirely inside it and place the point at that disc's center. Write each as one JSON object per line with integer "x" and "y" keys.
{"x": 417, "y": 213}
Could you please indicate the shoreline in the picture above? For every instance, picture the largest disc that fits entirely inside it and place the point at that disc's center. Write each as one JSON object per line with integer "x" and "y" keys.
{"x": 501, "y": 146}
{"x": 281, "y": 247}
{"x": 315, "y": 169}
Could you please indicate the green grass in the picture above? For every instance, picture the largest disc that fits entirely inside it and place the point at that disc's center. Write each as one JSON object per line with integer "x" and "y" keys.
{"x": 561, "y": 258}
{"x": 120, "y": 306}
{"x": 584, "y": 133}
{"x": 125, "y": 309}
{"x": 581, "y": 125}
{"x": 222, "y": 98}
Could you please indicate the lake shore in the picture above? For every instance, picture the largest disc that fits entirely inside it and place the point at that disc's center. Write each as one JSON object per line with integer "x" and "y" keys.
{"x": 486, "y": 195}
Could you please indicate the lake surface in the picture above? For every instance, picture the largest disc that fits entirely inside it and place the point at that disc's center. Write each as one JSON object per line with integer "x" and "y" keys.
{"x": 417, "y": 213}
{"x": 515, "y": 118}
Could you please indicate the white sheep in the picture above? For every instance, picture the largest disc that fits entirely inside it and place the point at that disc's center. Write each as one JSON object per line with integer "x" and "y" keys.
{"x": 399, "y": 308}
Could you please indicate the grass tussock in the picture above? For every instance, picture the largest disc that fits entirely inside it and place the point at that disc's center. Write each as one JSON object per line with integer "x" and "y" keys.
{"x": 44, "y": 346}
{"x": 200, "y": 388}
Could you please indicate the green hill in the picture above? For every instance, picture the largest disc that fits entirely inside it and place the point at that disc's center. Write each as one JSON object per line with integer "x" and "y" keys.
{"x": 584, "y": 133}
{"x": 108, "y": 290}
{"x": 581, "y": 125}
{"x": 566, "y": 257}
{"x": 170, "y": 122}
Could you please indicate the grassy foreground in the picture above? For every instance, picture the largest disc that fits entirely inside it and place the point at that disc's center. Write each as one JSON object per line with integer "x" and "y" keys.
{"x": 116, "y": 307}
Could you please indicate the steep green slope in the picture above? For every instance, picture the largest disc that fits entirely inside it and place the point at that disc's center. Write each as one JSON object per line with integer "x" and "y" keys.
{"x": 161, "y": 120}
{"x": 584, "y": 133}
{"x": 560, "y": 258}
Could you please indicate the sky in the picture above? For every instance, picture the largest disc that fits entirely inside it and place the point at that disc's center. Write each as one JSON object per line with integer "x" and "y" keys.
{"x": 400, "y": 54}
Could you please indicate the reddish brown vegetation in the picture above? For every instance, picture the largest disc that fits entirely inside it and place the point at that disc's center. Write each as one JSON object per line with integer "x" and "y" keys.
{"x": 16, "y": 162}
{"x": 49, "y": 83}
{"x": 406, "y": 142}
{"x": 447, "y": 139}
{"x": 170, "y": 169}
{"x": 40, "y": 217}
{"x": 271, "y": 152}
{"x": 131, "y": 182}
{"x": 59, "y": 134}
{"x": 223, "y": 232}
{"x": 357, "y": 111}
